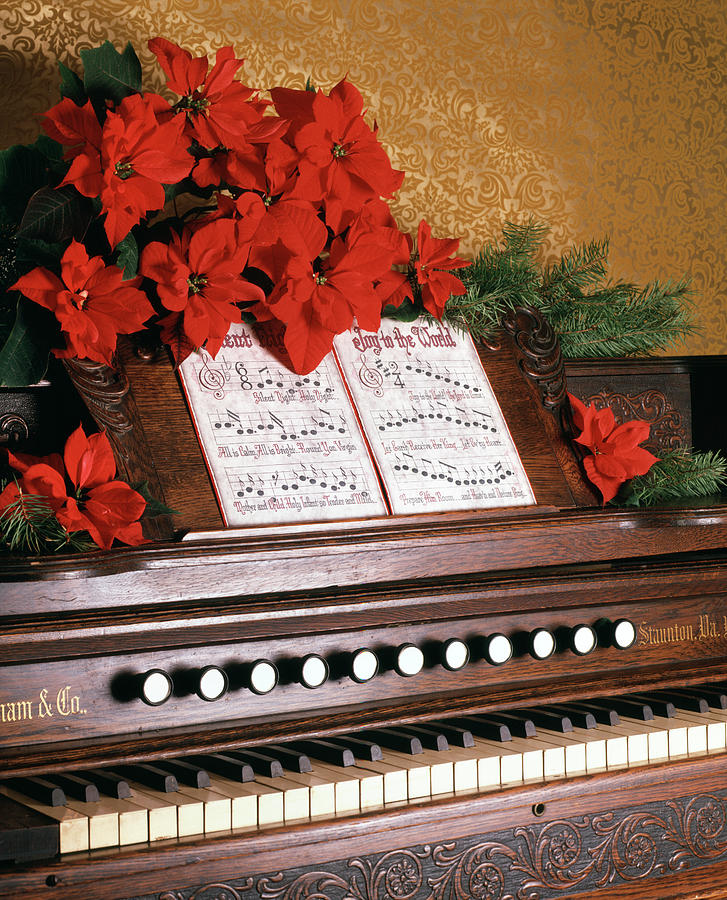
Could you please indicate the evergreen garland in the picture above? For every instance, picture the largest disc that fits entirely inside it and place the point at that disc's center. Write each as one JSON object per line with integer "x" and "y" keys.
{"x": 592, "y": 316}
{"x": 678, "y": 474}
{"x": 28, "y": 525}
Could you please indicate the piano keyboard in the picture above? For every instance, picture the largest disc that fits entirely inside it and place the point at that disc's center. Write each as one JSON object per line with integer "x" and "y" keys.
{"x": 304, "y": 780}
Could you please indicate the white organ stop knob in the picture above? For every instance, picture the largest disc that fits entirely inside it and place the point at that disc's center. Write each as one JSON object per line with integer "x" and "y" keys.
{"x": 313, "y": 671}
{"x": 263, "y": 677}
{"x": 624, "y": 634}
{"x": 455, "y": 654}
{"x": 498, "y": 649}
{"x": 582, "y": 639}
{"x": 364, "y": 665}
{"x": 212, "y": 683}
{"x": 409, "y": 660}
{"x": 541, "y": 643}
{"x": 156, "y": 687}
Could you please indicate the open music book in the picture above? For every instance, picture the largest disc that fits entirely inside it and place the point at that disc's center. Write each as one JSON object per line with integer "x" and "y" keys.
{"x": 399, "y": 421}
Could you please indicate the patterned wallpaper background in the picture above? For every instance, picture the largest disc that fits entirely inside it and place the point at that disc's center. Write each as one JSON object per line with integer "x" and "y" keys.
{"x": 601, "y": 117}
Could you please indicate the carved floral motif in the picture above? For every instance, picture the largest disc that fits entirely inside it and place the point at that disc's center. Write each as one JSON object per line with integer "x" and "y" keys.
{"x": 535, "y": 862}
{"x": 668, "y": 429}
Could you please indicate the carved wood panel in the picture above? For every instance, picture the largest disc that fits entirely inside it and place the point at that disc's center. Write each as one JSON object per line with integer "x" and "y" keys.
{"x": 559, "y": 858}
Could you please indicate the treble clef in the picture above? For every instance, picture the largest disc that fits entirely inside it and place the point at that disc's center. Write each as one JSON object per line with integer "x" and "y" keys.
{"x": 372, "y": 379}
{"x": 212, "y": 379}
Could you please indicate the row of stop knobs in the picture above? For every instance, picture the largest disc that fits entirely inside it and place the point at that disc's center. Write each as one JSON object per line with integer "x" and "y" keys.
{"x": 312, "y": 671}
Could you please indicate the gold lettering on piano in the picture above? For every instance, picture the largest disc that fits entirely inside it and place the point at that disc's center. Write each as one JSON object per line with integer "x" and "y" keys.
{"x": 706, "y": 629}
{"x": 16, "y": 711}
{"x": 65, "y": 703}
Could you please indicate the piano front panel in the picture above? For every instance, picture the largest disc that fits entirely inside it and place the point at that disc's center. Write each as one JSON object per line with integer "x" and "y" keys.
{"x": 85, "y": 685}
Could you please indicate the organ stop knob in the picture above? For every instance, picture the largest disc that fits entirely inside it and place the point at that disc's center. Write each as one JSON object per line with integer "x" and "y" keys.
{"x": 541, "y": 643}
{"x": 313, "y": 671}
{"x": 364, "y": 665}
{"x": 409, "y": 660}
{"x": 155, "y": 687}
{"x": 455, "y": 654}
{"x": 263, "y": 677}
{"x": 498, "y": 649}
{"x": 212, "y": 684}
{"x": 582, "y": 639}
{"x": 620, "y": 634}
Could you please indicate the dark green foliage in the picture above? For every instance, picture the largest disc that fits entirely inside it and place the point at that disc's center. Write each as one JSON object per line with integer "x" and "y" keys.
{"x": 28, "y": 525}
{"x": 592, "y": 316}
{"x": 110, "y": 75}
{"x": 677, "y": 475}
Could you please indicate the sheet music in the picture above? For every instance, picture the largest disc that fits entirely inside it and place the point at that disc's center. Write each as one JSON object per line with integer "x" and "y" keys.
{"x": 280, "y": 447}
{"x": 431, "y": 418}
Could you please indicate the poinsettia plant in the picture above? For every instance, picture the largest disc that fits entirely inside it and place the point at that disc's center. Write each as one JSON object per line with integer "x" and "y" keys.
{"x": 134, "y": 211}
{"x": 614, "y": 456}
{"x": 69, "y": 501}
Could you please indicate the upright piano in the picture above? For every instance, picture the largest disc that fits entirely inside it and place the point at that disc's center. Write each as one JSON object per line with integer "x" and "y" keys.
{"x": 524, "y": 703}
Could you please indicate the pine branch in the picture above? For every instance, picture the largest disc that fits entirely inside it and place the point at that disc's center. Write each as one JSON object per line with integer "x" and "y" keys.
{"x": 28, "y": 525}
{"x": 677, "y": 475}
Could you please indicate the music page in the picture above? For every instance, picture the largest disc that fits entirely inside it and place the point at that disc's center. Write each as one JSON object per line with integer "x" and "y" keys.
{"x": 280, "y": 447}
{"x": 431, "y": 418}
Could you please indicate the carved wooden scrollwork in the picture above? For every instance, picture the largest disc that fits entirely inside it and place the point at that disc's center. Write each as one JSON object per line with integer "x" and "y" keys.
{"x": 561, "y": 857}
{"x": 668, "y": 429}
{"x": 539, "y": 354}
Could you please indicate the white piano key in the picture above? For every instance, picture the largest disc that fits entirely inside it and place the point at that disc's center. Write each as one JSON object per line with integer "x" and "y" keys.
{"x": 217, "y": 808}
{"x": 73, "y": 834}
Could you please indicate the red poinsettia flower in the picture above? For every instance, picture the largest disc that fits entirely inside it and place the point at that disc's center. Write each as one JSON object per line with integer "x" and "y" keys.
{"x": 218, "y": 110}
{"x": 615, "y": 453}
{"x": 127, "y": 162}
{"x": 107, "y": 509}
{"x": 342, "y": 161}
{"x": 91, "y": 301}
{"x": 198, "y": 277}
{"x": 432, "y": 265}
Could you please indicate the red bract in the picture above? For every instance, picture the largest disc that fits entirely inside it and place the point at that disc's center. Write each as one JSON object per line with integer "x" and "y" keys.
{"x": 198, "y": 277}
{"x": 91, "y": 301}
{"x": 433, "y": 263}
{"x": 218, "y": 110}
{"x": 107, "y": 509}
{"x": 342, "y": 163}
{"x": 615, "y": 454}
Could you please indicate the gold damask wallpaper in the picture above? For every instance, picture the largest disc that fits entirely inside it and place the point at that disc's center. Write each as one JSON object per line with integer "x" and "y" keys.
{"x": 601, "y": 117}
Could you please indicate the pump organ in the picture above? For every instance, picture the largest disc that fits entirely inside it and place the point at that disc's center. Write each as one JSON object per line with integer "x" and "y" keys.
{"x": 490, "y": 704}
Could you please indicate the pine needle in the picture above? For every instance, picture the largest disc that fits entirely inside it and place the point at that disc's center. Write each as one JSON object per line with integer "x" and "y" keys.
{"x": 593, "y": 317}
{"x": 677, "y": 475}
{"x": 28, "y": 525}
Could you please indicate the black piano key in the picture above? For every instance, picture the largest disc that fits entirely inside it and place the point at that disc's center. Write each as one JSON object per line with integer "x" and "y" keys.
{"x": 394, "y": 739}
{"x": 544, "y": 718}
{"x": 634, "y": 709}
{"x": 108, "y": 783}
{"x": 188, "y": 773}
{"x": 715, "y": 697}
{"x": 262, "y": 764}
{"x": 150, "y": 776}
{"x": 77, "y": 786}
{"x": 40, "y": 789}
{"x": 431, "y": 738}
{"x": 325, "y": 751}
{"x": 688, "y": 700}
{"x": 361, "y": 749}
{"x": 227, "y": 766}
{"x": 491, "y": 729}
{"x": 290, "y": 759}
{"x": 26, "y": 834}
{"x": 604, "y": 715}
{"x": 518, "y": 726}
{"x": 660, "y": 706}
{"x": 580, "y": 718}
{"x": 457, "y": 737}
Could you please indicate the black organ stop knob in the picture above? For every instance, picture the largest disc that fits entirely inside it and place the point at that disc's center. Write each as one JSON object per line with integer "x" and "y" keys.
{"x": 497, "y": 649}
{"x": 364, "y": 665}
{"x": 212, "y": 683}
{"x": 541, "y": 643}
{"x": 263, "y": 677}
{"x": 155, "y": 687}
{"x": 408, "y": 660}
{"x": 455, "y": 654}
{"x": 620, "y": 634}
{"x": 582, "y": 639}
{"x": 313, "y": 671}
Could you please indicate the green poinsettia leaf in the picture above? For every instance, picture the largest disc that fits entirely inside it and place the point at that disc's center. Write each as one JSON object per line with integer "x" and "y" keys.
{"x": 56, "y": 214}
{"x": 407, "y": 312}
{"x": 110, "y": 75}
{"x": 33, "y": 252}
{"x": 23, "y": 171}
{"x": 71, "y": 85}
{"x": 24, "y": 356}
{"x": 154, "y": 507}
{"x": 128, "y": 256}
